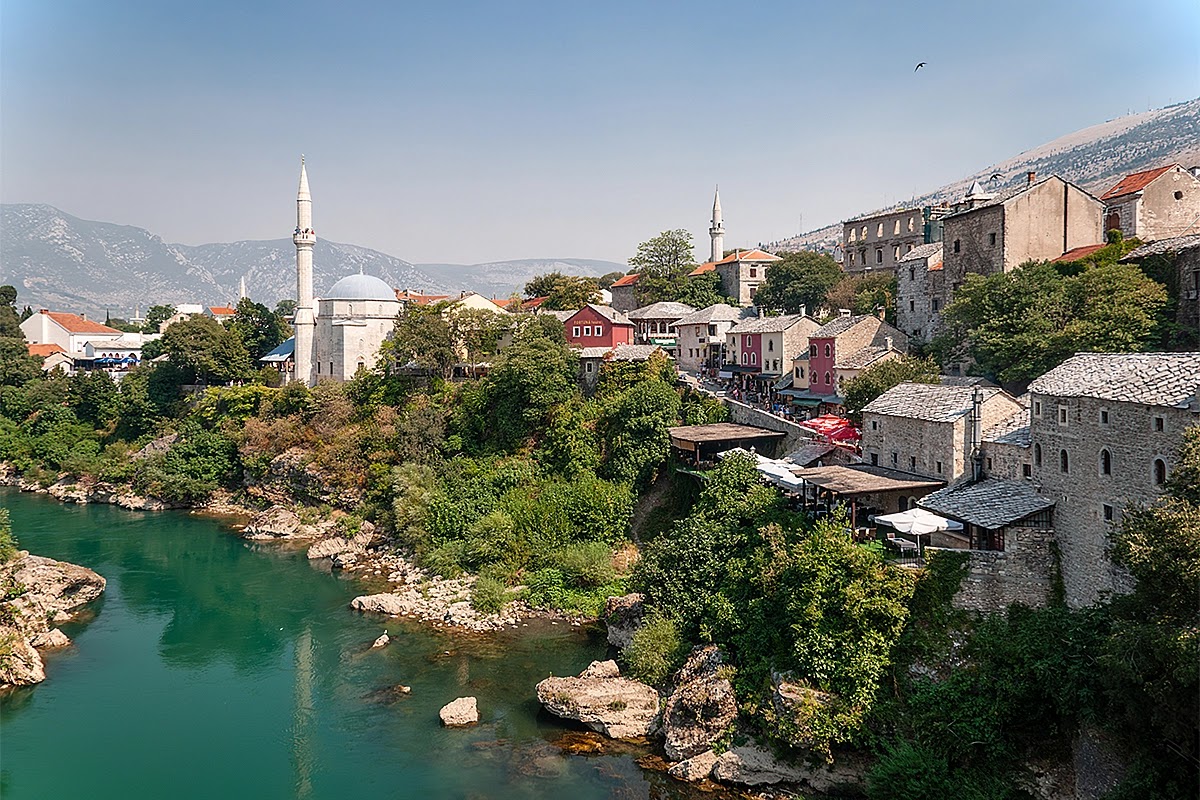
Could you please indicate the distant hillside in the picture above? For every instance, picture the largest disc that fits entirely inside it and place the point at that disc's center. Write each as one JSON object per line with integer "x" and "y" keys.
{"x": 59, "y": 261}
{"x": 1095, "y": 158}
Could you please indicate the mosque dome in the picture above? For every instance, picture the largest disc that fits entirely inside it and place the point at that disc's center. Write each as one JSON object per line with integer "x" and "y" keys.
{"x": 360, "y": 287}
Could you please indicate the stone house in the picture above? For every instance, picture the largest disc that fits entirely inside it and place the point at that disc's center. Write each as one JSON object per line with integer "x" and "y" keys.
{"x": 593, "y": 360}
{"x": 932, "y": 429}
{"x": 69, "y": 331}
{"x": 837, "y": 348}
{"x": 52, "y": 356}
{"x": 623, "y": 292}
{"x": 1007, "y": 448}
{"x": 1037, "y": 222}
{"x": 770, "y": 343}
{"x": 1106, "y": 428}
{"x": 1185, "y": 252}
{"x": 656, "y": 323}
{"x": 742, "y": 272}
{"x": 877, "y": 242}
{"x": 700, "y": 336}
{"x": 1159, "y": 203}
{"x": 598, "y": 326}
{"x": 920, "y": 291}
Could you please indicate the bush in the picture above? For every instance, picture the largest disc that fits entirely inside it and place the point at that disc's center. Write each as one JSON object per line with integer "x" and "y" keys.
{"x": 546, "y": 589}
{"x": 656, "y": 650}
{"x": 489, "y": 595}
{"x": 587, "y": 564}
{"x": 8, "y": 542}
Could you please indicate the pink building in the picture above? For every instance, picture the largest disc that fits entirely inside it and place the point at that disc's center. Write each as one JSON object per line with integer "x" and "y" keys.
{"x": 598, "y": 326}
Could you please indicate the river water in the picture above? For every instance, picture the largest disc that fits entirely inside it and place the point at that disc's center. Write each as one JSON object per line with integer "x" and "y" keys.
{"x": 217, "y": 668}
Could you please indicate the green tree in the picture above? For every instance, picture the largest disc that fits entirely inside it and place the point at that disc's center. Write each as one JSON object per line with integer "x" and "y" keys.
{"x": 157, "y": 315}
{"x": 424, "y": 336}
{"x": 477, "y": 332}
{"x": 10, "y": 320}
{"x": 702, "y": 291}
{"x": 866, "y": 294}
{"x": 259, "y": 329}
{"x": 8, "y": 542}
{"x": 876, "y": 380}
{"x": 93, "y": 396}
{"x": 204, "y": 351}
{"x": 608, "y": 279}
{"x": 663, "y": 263}
{"x": 16, "y": 365}
{"x": 563, "y": 292}
{"x": 802, "y": 280}
{"x": 529, "y": 379}
{"x": 286, "y": 308}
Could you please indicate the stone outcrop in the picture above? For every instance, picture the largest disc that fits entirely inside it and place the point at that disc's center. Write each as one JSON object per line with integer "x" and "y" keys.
{"x": 382, "y": 641}
{"x": 460, "y": 712}
{"x": 278, "y": 522}
{"x": 599, "y": 698}
{"x": 47, "y": 591}
{"x": 702, "y": 706}
{"x": 753, "y": 765}
{"x": 624, "y": 615}
{"x": 794, "y": 705}
{"x": 696, "y": 768}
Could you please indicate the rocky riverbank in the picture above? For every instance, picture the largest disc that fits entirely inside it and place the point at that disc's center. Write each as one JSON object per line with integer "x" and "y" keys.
{"x": 38, "y": 594}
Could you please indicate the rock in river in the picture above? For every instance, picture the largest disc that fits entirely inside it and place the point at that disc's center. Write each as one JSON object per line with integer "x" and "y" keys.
{"x": 463, "y": 711}
{"x": 702, "y": 707}
{"x": 617, "y": 707}
{"x": 623, "y": 616}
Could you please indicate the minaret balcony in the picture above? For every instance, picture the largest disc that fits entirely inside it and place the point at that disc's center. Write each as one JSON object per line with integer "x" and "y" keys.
{"x": 304, "y": 237}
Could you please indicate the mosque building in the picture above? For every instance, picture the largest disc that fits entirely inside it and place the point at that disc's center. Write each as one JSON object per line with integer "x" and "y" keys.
{"x": 341, "y": 332}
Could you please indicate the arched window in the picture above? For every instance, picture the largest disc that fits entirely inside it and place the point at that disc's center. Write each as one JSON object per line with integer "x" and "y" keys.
{"x": 1160, "y": 472}
{"x": 770, "y": 345}
{"x": 1105, "y": 462}
{"x": 827, "y": 381}
{"x": 1063, "y": 463}
{"x": 828, "y": 353}
{"x": 812, "y": 351}
{"x": 1037, "y": 454}
{"x": 903, "y": 502}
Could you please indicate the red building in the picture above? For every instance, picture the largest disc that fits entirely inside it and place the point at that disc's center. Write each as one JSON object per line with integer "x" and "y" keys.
{"x": 598, "y": 326}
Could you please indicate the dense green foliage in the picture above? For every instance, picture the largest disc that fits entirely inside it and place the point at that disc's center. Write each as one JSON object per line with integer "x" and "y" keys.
{"x": 1021, "y": 324}
{"x": 563, "y": 291}
{"x": 801, "y": 281}
{"x": 876, "y": 380}
{"x": 8, "y": 542}
{"x": 663, "y": 263}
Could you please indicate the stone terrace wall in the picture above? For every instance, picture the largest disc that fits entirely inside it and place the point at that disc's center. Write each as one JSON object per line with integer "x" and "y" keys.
{"x": 743, "y": 414}
{"x": 1023, "y": 573}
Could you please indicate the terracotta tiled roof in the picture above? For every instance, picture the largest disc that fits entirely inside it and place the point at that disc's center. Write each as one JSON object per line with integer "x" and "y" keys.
{"x": 534, "y": 303}
{"x": 1077, "y": 253}
{"x": 707, "y": 266}
{"x": 420, "y": 299}
{"x": 748, "y": 255}
{"x": 73, "y": 323}
{"x": 1135, "y": 182}
{"x": 628, "y": 280}
{"x": 222, "y": 311}
{"x": 44, "y": 350}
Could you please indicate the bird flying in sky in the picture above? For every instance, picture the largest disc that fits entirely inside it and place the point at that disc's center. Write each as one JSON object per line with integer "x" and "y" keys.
{"x": 996, "y": 176}
{"x": 919, "y": 66}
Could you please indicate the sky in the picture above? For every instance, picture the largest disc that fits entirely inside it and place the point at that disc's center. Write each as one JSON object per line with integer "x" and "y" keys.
{"x": 460, "y": 132}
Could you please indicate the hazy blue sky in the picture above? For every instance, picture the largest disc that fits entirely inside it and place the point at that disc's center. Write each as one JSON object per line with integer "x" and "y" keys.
{"x": 462, "y": 132}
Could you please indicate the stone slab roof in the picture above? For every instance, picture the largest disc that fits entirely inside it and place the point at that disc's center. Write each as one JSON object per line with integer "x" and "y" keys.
{"x": 609, "y": 313}
{"x": 991, "y": 503}
{"x": 1176, "y": 244}
{"x": 862, "y": 358}
{"x": 635, "y": 352}
{"x": 931, "y": 402}
{"x": 838, "y": 326}
{"x": 766, "y": 324}
{"x": 922, "y": 251}
{"x": 1013, "y": 431}
{"x": 1155, "y": 379}
{"x": 720, "y": 312}
{"x": 663, "y": 310}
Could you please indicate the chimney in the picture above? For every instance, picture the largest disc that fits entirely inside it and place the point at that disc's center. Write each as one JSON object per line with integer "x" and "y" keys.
{"x": 843, "y": 312}
{"x": 804, "y": 311}
{"x": 1030, "y": 177}
{"x": 887, "y": 343}
{"x": 83, "y": 315}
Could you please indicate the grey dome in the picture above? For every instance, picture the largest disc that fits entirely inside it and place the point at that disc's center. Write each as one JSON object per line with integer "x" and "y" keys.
{"x": 360, "y": 287}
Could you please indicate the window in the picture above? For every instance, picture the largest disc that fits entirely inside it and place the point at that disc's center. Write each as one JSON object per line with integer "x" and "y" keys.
{"x": 912, "y": 305}
{"x": 1105, "y": 462}
{"x": 957, "y": 246}
{"x": 939, "y": 468}
{"x": 896, "y": 229}
{"x": 753, "y": 291}
{"x": 1159, "y": 424}
{"x": 895, "y": 456}
{"x": 896, "y": 252}
{"x": 1160, "y": 472}
{"x": 1026, "y": 471}
{"x": 937, "y": 303}
{"x": 991, "y": 240}
{"x": 798, "y": 373}
{"x": 1037, "y": 408}
{"x": 989, "y": 465}
{"x": 828, "y": 350}
{"x": 862, "y": 256}
{"x": 770, "y": 345}
{"x": 699, "y": 330}
{"x": 878, "y": 255}
{"x": 827, "y": 381}
{"x": 912, "y": 463}
{"x": 912, "y": 273}
{"x": 874, "y": 459}
{"x": 910, "y": 224}
{"x": 874, "y": 425}
{"x": 599, "y": 330}
{"x": 908, "y": 247}
{"x": 587, "y": 330}
{"x": 864, "y": 232}
{"x": 753, "y": 272}
{"x": 588, "y": 366}
{"x": 754, "y": 359}
{"x": 330, "y": 367}
{"x": 851, "y": 254}
{"x": 1110, "y": 513}
{"x": 1037, "y": 454}
{"x": 1179, "y": 195}
{"x": 1104, "y": 416}
{"x": 318, "y": 367}
{"x": 575, "y": 330}
{"x": 879, "y": 231}
{"x": 1062, "y": 415}
{"x": 1064, "y": 464}
{"x": 853, "y": 235}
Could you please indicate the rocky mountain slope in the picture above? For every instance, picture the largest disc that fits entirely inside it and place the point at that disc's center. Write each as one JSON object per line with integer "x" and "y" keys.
{"x": 62, "y": 262}
{"x": 1095, "y": 158}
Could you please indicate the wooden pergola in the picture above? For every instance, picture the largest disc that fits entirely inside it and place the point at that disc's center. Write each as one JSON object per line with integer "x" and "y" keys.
{"x": 852, "y": 484}
{"x": 698, "y": 443}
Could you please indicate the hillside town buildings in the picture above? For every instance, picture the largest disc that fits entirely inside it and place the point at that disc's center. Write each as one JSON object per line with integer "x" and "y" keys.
{"x": 1155, "y": 204}
{"x": 877, "y": 242}
{"x": 701, "y": 335}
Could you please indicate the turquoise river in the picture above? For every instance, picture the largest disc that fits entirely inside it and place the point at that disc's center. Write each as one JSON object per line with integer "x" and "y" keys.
{"x": 217, "y": 668}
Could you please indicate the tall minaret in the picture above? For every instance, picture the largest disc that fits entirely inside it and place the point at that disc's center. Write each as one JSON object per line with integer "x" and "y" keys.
{"x": 242, "y": 288}
{"x": 717, "y": 231}
{"x": 305, "y": 322}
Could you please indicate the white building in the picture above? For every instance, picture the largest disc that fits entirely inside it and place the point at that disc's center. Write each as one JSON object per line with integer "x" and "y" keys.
{"x": 69, "y": 331}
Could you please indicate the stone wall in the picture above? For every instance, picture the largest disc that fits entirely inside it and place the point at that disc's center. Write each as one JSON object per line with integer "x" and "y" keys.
{"x": 743, "y": 414}
{"x": 1162, "y": 215}
{"x": 930, "y": 443}
{"x": 1083, "y": 493}
{"x": 1007, "y": 460}
{"x": 967, "y": 244}
{"x": 1188, "y": 265}
{"x": 900, "y": 230}
{"x": 1024, "y": 572}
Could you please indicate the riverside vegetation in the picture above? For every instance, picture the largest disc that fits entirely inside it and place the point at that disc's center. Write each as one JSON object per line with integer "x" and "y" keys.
{"x": 563, "y": 500}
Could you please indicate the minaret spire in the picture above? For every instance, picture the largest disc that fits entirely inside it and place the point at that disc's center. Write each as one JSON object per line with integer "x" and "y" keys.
{"x": 717, "y": 231}
{"x": 304, "y": 237}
